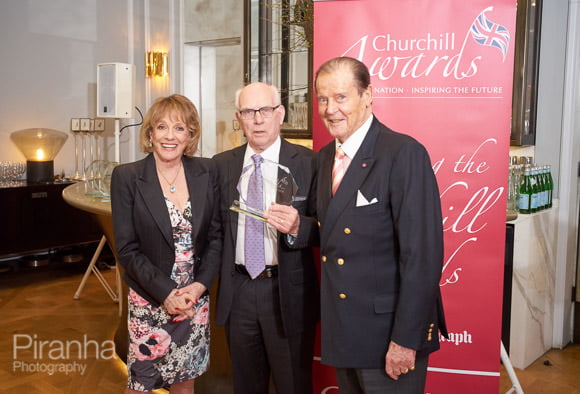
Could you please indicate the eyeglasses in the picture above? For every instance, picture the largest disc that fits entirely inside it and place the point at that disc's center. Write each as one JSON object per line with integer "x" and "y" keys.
{"x": 266, "y": 112}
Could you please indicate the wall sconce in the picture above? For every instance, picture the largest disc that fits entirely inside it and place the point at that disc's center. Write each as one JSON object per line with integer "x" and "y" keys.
{"x": 39, "y": 146}
{"x": 156, "y": 64}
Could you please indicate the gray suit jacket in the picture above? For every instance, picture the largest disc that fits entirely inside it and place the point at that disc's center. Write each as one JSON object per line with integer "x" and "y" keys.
{"x": 297, "y": 276}
{"x": 381, "y": 262}
{"x": 143, "y": 234}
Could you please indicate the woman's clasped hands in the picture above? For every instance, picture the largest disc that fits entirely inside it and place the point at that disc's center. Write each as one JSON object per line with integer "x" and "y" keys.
{"x": 181, "y": 302}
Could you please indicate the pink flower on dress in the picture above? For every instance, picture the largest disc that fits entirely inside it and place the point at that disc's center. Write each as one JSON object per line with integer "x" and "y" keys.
{"x": 183, "y": 256}
{"x": 137, "y": 299}
{"x": 153, "y": 346}
{"x": 201, "y": 315}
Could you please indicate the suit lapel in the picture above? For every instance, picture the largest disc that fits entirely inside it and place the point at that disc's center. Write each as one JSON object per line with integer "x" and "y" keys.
{"x": 197, "y": 185}
{"x": 150, "y": 189}
{"x": 359, "y": 169}
{"x": 234, "y": 171}
{"x": 288, "y": 159}
{"x": 324, "y": 193}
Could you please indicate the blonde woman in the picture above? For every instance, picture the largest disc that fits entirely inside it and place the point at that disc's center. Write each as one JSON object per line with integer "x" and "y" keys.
{"x": 168, "y": 240}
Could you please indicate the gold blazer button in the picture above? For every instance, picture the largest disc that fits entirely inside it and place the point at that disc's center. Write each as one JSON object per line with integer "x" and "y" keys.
{"x": 323, "y": 259}
{"x": 342, "y": 296}
{"x": 347, "y": 230}
{"x": 340, "y": 261}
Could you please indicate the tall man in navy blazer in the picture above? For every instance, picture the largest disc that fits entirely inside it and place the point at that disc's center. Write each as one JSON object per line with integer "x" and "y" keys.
{"x": 270, "y": 320}
{"x": 381, "y": 242}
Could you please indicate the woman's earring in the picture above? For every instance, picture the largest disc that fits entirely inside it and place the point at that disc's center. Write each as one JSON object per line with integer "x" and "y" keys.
{"x": 150, "y": 144}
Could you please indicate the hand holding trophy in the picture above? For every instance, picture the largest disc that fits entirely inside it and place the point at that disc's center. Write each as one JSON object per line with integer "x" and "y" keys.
{"x": 276, "y": 177}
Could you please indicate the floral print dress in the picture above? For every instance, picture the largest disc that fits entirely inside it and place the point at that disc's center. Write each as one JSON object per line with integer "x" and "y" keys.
{"x": 163, "y": 352}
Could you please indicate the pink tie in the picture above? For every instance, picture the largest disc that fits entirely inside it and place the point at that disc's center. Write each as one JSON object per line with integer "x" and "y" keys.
{"x": 341, "y": 163}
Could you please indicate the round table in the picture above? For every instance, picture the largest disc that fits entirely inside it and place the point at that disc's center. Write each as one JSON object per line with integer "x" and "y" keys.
{"x": 85, "y": 196}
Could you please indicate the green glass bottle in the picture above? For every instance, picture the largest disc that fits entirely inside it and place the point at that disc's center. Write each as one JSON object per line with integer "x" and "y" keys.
{"x": 550, "y": 182}
{"x": 525, "y": 200}
{"x": 534, "y": 191}
{"x": 540, "y": 189}
{"x": 544, "y": 176}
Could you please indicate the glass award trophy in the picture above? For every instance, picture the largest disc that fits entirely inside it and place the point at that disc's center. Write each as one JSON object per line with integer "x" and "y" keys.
{"x": 276, "y": 177}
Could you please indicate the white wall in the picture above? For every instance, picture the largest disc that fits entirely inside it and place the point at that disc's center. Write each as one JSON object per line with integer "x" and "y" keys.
{"x": 551, "y": 84}
{"x": 48, "y": 64}
{"x": 569, "y": 157}
{"x": 558, "y": 142}
{"x": 213, "y": 19}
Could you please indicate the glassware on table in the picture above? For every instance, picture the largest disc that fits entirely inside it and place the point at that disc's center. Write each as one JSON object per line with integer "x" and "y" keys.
{"x": 11, "y": 173}
{"x": 104, "y": 180}
{"x": 77, "y": 174}
{"x": 83, "y": 175}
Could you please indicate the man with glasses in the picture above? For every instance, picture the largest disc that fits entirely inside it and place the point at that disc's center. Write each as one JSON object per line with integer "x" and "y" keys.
{"x": 268, "y": 291}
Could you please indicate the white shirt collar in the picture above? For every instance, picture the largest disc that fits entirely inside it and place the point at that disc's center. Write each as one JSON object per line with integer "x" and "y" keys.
{"x": 271, "y": 153}
{"x": 353, "y": 143}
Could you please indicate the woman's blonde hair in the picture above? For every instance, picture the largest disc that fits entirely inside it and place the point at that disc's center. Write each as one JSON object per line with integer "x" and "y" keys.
{"x": 175, "y": 106}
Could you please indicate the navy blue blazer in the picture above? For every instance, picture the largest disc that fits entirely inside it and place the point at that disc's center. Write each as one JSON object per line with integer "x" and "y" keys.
{"x": 381, "y": 250}
{"x": 143, "y": 233}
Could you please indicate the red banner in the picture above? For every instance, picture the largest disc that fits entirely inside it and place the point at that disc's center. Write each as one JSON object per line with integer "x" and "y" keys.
{"x": 442, "y": 72}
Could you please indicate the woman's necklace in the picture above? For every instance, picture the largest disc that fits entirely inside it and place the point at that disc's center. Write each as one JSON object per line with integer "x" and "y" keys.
{"x": 171, "y": 187}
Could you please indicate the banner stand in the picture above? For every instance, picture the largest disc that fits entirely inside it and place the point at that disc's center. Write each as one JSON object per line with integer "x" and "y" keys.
{"x": 446, "y": 76}
{"x": 516, "y": 387}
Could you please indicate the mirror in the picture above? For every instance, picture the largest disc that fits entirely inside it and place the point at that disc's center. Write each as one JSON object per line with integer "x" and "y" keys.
{"x": 277, "y": 42}
{"x": 526, "y": 64}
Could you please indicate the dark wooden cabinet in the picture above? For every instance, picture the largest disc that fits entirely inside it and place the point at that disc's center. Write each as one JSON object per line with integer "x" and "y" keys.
{"x": 35, "y": 218}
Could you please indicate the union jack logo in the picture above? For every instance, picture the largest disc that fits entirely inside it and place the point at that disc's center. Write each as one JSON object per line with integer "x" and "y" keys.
{"x": 486, "y": 32}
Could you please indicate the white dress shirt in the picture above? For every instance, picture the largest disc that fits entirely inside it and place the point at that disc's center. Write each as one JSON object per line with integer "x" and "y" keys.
{"x": 270, "y": 178}
{"x": 353, "y": 143}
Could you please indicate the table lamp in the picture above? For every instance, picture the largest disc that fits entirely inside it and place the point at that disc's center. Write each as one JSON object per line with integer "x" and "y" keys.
{"x": 39, "y": 146}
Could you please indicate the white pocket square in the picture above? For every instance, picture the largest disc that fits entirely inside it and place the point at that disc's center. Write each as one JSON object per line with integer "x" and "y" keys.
{"x": 361, "y": 201}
